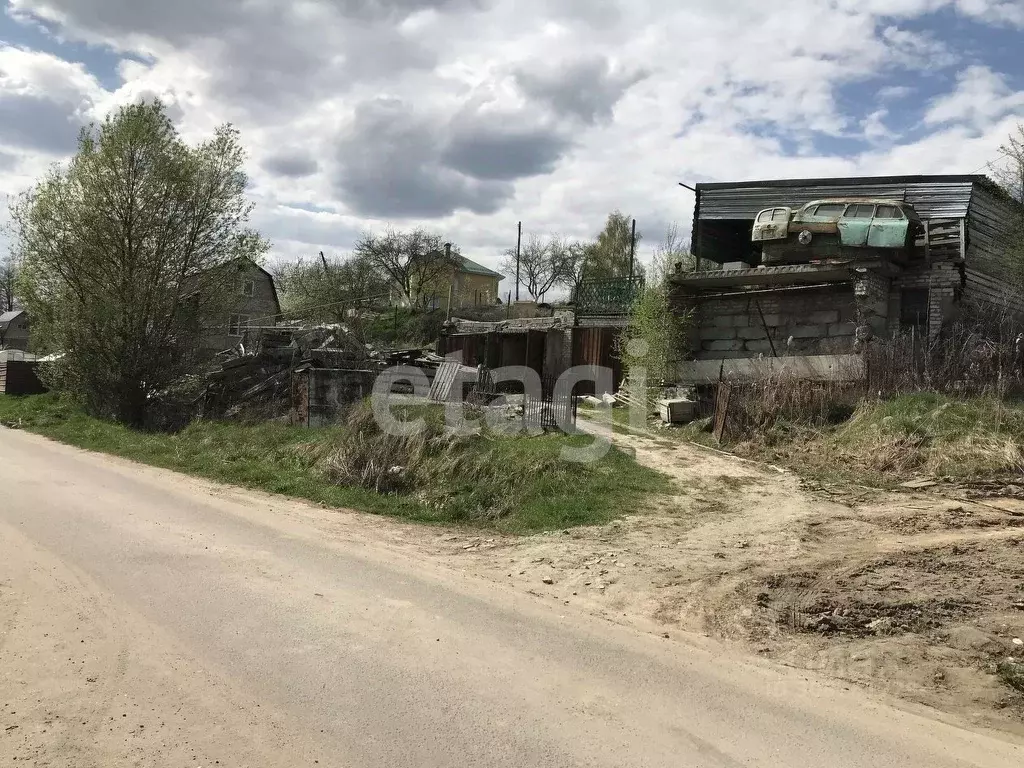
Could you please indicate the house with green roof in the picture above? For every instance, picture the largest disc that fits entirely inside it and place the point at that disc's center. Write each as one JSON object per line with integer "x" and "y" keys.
{"x": 470, "y": 285}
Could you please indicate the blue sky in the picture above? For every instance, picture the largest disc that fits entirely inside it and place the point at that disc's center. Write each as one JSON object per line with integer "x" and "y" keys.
{"x": 467, "y": 116}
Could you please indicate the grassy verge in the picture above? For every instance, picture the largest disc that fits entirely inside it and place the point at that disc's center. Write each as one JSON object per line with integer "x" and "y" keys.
{"x": 515, "y": 484}
{"x": 887, "y": 442}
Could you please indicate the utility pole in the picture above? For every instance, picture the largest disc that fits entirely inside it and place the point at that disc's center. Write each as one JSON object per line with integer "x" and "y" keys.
{"x": 519, "y": 243}
{"x": 632, "y": 249}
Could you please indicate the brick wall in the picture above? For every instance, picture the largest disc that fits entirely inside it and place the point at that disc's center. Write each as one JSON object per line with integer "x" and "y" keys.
{"x": 799, "y": 322}
{"x": 944, "y": 282}
{"x": 871, "y": 296}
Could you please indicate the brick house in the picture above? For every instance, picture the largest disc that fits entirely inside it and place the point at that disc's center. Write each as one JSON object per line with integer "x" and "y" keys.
{"x": 470, "y": 284}
{"x": 817, "y": 311}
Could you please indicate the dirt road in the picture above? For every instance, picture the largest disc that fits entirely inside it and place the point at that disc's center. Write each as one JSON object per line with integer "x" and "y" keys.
{"x": 151, "y": 619}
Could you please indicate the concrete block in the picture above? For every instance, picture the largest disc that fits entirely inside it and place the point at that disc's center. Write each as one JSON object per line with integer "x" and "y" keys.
{"x": 842, "y": 329}
{"x": 824, "y": 316}
{"x": 755, "y": 332}
{"x": 720, "y": 355}
{"x": 722, "y": 321}
{"x": 807, "y": 331}
{"x": 759, "y": 346}
{"x": 774, "y": 320}
{"x": 723, "y": 346}
{"x": 717, "y": 333}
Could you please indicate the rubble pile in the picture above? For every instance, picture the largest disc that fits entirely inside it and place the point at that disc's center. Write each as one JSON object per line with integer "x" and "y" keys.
{"x": 256, "y": 378}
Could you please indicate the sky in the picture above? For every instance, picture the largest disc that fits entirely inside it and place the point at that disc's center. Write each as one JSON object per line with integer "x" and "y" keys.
{"x": 467, "y": 116}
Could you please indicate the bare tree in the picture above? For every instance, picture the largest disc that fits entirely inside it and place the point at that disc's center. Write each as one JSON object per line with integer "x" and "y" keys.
{"x": 129, "y": 252}
{"x": 325, "y": 288}
{"x": 419, "y": 263}
{"x": 1009, "y": 169}
{"x": 572, "y": 262}
{"x": 540, "y": 267}
{"x": 1009, "y": 172}
{"x": 672, "y": 254}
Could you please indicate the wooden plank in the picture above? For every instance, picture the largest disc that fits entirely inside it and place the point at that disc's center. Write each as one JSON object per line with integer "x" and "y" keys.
{"x": 722, "y": 398}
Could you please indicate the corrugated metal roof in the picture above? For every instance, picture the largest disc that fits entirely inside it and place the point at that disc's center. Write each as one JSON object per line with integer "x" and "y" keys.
{"x": 934, "y": 197}
{"x": 468, "y": 265}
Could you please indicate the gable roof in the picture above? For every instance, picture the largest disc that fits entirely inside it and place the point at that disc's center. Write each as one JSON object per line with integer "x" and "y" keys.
{"x": 246, "y": 261}
{"x": 7, "y": 317}
{"x": 470, "y": 266}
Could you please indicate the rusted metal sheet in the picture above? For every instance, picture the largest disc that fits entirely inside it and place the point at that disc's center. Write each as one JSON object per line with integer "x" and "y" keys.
{"x": 469, "y": 349}
{"x": 595, "y": 347}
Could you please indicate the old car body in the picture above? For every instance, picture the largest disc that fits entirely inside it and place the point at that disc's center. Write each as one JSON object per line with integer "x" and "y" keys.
{"x": 824, "y": 228}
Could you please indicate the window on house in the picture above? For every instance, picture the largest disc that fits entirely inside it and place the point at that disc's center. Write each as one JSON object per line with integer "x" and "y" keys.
{"x": 888, "y": 212}
{"x": 860, "y": 211}
{"x": 248, "y": 286}
{"x": 914, "y": 309}
{"x": 237, "y": 324}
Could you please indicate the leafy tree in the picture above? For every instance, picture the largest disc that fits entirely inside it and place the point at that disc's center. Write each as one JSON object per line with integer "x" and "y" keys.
{"x": 8, "y": 279}
{"x": 325, "y": 288}
{"x": 609, "y": 255}
{"x": 651, "y": 345}
{"x": 419, "y": 263}
{"x": 540, "y": 265}
{"x": 130, "y": 252}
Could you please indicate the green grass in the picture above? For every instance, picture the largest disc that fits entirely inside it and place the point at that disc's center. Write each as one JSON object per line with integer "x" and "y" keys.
{"x": 514, "y": 484}
{"x": 930, "y": 433}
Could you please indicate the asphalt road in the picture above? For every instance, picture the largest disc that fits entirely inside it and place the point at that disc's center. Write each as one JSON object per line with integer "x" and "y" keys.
{"x": 151, "y": 619}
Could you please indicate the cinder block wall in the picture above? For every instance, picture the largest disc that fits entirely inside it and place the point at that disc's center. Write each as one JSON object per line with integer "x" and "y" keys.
{"x": 806, "y": 322}
{"x": 944, "y": 283}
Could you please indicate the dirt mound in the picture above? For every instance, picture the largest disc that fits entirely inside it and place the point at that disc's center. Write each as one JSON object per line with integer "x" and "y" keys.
{"x": 918, "y": 592}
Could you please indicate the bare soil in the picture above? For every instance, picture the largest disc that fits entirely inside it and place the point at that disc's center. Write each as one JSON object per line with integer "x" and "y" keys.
{"x": 915, "y": 594}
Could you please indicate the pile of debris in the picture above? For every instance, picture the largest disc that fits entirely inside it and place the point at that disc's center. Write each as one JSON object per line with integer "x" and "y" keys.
{"x": 305, "y": 374}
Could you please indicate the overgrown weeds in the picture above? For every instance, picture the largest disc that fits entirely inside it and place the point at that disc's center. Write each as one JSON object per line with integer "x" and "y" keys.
{"x": 515, "y": 484}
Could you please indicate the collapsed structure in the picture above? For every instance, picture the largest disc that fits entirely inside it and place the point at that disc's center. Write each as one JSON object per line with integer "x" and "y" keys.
{"x": 304, "y": 375}
{"x": 810, "y": 270}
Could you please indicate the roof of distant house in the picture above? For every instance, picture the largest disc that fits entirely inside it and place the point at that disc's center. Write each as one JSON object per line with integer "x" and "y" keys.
{"x": 7, "y": 317}
{"x": 468, "y": 265}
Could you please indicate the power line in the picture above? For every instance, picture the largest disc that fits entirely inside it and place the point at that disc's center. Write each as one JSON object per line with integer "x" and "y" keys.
{"x": 321, "y": 306}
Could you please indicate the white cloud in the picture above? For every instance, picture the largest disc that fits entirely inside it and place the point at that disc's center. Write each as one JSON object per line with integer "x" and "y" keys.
{"x": 980, "y": 98}
{"x": 469, "y": 115}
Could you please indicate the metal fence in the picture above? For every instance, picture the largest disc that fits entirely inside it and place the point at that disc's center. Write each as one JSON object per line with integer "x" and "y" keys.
{"x": 614, "y": 296}
{"x": 553, "y": 409}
